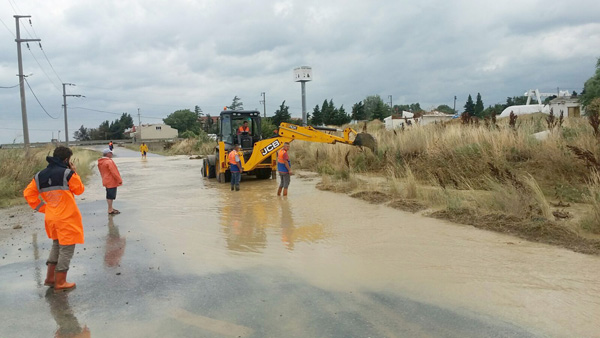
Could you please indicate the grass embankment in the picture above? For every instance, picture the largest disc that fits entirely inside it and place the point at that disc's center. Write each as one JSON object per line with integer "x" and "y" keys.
{"x": 17, "y": 169}
{"x": 498, "y": 178}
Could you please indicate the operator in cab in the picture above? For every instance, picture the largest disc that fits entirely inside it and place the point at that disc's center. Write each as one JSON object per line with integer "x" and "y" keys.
{"x": 243, "y": 129}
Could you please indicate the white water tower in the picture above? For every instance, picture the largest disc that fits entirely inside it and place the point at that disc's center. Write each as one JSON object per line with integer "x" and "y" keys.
{"x": 303, "y": 75}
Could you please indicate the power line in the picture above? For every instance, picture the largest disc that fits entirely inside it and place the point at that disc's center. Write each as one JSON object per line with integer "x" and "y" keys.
{"x": 10, "y": 86}
{"x": 44, "y": 52}
{"x": 36, "y": 61}
{"x": 38, "y": 101}
{"x": 3, "y": 128}
{"x": 51, "y": 66}
{"x": 8, "y": 29}
{"x": 15, "y": 11}
{"x": 13, "y": 7}
{"x": 113, "y": 113}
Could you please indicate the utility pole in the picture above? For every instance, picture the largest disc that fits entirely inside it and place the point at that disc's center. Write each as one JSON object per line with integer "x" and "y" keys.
{"x": 65, "y": 107}
{"x": 454, "y": 104}
{"x": 139, "y": 118}
{"x": 391, "y": 106}
{"x": 22, "y": 78}
{"x": 264, "y": 103}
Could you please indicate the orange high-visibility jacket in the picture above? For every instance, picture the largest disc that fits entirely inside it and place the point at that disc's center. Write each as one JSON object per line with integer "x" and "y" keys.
{"x": 57, "y": 185}
{"x": 241, "y": 129}
{"x": 231, "y": 156}
{"x": 111, "y": 178}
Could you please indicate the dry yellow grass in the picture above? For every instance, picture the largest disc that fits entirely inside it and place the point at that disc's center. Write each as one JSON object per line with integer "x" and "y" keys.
{"x": 17, "y": 168}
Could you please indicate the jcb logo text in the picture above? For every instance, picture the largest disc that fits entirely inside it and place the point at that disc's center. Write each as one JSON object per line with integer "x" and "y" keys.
{"x": 264, "y": 151}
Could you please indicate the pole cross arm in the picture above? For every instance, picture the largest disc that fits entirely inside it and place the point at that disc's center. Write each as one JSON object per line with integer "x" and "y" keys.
{"x": 27, "y": 40}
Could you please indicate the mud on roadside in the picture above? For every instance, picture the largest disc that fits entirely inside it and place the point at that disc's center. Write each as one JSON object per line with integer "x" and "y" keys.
{"x": 535, "y": 230}
{"x": 15, "y": 219}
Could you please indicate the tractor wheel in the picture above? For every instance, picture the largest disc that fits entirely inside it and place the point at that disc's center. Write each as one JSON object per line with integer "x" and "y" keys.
{"x": 210, "y": 168}
{"x": 263, "y": 174}
{"x": 222, "y": 177}
{"x": 204, "y": 168}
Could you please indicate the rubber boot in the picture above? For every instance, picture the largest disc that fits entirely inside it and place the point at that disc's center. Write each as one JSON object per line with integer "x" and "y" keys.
{"x": 60, "y": 282}
{"x": 231, "y": 187}
{"x": 285, "y": 192}
{"x": 50, "y": 275}
{"x": 237, "y": 187}
{"x": 279, "y": 191}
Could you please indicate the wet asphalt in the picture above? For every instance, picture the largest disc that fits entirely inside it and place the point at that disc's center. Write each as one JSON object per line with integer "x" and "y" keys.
{"x": 189, "y": 258}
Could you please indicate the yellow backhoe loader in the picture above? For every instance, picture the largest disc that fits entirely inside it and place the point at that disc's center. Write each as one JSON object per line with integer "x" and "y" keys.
{"x": 259, "y": 155}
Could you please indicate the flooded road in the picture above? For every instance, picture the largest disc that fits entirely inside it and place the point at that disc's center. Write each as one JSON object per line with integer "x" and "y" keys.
{"x": 190, "y": 258}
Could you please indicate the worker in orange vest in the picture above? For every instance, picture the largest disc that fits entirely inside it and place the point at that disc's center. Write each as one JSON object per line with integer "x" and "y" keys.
{"x": 235, "y": 167}
{"x": 111, "y": 179}
{"x": 284, "y": 168}
{"x": 243, "y": 128}
{"x": 110, "y": 145}
{"x": 57, "y": 185}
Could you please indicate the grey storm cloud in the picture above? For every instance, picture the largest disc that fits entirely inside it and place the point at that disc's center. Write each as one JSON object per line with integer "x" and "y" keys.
{"x": 162, "y": 56}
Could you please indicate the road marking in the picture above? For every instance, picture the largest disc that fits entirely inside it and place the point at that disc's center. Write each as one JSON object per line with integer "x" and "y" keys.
{"x": 210, "y": 324}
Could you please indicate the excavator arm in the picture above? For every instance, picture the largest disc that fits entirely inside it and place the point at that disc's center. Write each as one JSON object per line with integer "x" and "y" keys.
{"x": 289, "y": 132}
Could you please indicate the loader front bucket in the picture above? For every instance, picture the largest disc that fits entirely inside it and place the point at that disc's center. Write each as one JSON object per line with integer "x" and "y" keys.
{"x": 365, "y": 140}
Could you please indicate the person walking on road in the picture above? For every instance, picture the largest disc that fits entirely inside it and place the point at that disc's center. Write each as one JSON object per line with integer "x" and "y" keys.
{"x": 284, "y": 168}
{"x": 111, "y": 179}
{"x": 110, "y": 145}
{"x": 235, "y": 167}
{"x": 144, "y": 149}
{"x": 58, "y": 184}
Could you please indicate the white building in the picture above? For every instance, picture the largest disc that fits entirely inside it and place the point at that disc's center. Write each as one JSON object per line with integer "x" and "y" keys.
{"x": 435, "y": 116}
{"x": 569, "y": 105}
{"x": 396, "y": 121}
{"x": 154, "y": 132}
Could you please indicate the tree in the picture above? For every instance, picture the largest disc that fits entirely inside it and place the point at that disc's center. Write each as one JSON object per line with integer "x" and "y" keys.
{"x": 198, "y": 111}
{"x": 102, "y": 132}
{"x": 82, "y": 134}
{"x": 515, "y": 101}
{"x": 339, "y": 117}
{"x": 493, "y": 110}
{"x": 372, "y": 103}
{"x": 281, "y": 115}
{"x": 444, "y": 108}
{"x": 267, "y": 127}
{"x": 416, "y": 108}
{"x": 591, "y": 88}
{"x": 358, "y": 112}
{"x": 326, "y": 111}
{"x": 479, "y": 106}
{"x": 317, "y": 117}
{"x": 183, "y": 120}
{"x": 236, "y": 104}
{"x": 110, "y": 130}
{"x": 470, "y": 106}
{"x": 381, "y": 111}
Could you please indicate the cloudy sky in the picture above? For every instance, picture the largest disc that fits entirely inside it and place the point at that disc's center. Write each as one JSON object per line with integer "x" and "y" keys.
{"x": 160, "y": 56}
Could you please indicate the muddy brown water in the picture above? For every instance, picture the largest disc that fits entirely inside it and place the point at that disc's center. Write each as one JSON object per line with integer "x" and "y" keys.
{"x": 188, "y": 256}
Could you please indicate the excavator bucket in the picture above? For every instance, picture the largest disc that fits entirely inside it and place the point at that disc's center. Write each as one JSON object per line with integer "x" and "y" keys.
{"x": 365, "y": 140}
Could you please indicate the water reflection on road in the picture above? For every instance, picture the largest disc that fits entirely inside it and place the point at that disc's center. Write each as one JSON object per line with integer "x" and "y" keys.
{"x": 245, "y": 221}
